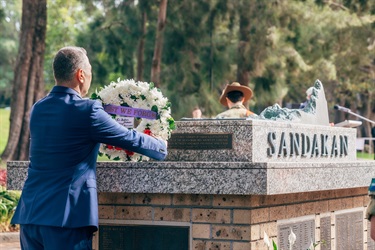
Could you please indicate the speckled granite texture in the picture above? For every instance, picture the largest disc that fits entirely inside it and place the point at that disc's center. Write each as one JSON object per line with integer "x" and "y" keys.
{"x": 220, "y": 177}
{"x": 250, "y": 141}
{"x": 245, "y": 169}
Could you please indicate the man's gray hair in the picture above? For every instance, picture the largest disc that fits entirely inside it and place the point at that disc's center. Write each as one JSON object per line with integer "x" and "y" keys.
{"x": 67, "y": 61}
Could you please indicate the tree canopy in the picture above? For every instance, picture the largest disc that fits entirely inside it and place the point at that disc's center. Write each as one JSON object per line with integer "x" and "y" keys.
{"x": 10, "y": 26}
{"x": 277, "y": 47}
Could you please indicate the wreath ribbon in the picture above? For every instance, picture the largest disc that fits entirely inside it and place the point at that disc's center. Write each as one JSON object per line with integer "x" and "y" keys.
{"x": 128, "y": 111}
{"x": 128, "y": 98}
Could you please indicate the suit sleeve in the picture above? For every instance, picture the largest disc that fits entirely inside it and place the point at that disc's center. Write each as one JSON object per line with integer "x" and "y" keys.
{"x": 104, "y": 129}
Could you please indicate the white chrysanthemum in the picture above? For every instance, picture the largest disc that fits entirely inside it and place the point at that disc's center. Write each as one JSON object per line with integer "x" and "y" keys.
{"x": 137, "y": 95}
{"x": 266, "y": 240}
{"x": 292, "y": 238}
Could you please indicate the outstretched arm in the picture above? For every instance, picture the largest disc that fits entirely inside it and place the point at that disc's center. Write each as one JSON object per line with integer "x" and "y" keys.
{"x": 106, "y": 130}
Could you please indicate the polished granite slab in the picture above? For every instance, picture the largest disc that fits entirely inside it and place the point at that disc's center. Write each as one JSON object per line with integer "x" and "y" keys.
{"x": 240, "y": 178}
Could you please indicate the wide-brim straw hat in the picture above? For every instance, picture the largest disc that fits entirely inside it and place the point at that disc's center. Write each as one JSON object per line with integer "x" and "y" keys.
{"x": 235, "y": 86}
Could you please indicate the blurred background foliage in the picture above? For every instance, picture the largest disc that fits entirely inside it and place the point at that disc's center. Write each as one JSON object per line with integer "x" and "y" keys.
{"x": 277, "y": 47}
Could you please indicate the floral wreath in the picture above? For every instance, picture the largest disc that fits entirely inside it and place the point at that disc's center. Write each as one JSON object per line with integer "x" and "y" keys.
{"x": 128, "y": 101}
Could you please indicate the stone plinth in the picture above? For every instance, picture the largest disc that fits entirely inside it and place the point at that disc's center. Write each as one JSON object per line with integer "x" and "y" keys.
{"x": 219, "y": 178}
{"x": 232, "y": 181}
{"x": 261, "y": 141}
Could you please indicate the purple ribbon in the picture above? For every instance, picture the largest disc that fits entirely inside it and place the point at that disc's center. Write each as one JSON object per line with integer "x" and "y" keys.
{"x": 127, "y": 111}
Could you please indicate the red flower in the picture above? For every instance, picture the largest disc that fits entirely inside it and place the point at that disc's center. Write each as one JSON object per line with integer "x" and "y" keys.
{"x": 130, "y": 153}
{"x": 147, "y": 131}
{"x": 113, "y": 147}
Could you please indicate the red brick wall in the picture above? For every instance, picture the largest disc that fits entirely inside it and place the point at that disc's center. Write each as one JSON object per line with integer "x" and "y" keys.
{"x": 224, "y": 222}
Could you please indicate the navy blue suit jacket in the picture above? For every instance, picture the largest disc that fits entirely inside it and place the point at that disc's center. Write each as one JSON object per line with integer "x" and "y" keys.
{"x": 66, "y": 131}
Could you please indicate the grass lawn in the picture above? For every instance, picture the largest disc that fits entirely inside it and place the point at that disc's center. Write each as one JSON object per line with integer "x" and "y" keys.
{"x": 367, "y": 156}
{"x": 4, "y": 128}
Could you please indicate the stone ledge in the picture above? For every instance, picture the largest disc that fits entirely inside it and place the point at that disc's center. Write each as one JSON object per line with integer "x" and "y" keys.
{"x": 237, "y": 178}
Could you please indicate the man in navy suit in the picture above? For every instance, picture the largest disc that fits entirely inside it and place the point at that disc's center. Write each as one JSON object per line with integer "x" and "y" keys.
{"x": 58, "y": 208}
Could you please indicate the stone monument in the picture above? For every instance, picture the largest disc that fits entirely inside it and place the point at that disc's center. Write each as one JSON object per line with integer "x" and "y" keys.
{"x": 237, "y": 184}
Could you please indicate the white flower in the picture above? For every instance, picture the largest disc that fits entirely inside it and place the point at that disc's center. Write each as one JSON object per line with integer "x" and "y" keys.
{"x": 266, "y": 240}
{"x": 311, "y": 245}
{"x": 292, "y": 238}
{"x": 136, "y": 95}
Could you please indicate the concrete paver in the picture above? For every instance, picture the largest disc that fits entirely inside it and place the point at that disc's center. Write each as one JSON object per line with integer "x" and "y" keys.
{"x": 15, "y": 245}
{"x": 9, "y": 241}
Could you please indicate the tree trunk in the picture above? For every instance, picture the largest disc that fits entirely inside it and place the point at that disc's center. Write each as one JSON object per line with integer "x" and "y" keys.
{"x": 141, "y": 48}
{"x": 156, "y": 60}
{"x": 28, "y": 81}
{"x": 243, "y": 71}
{"x": 252, "y": 51}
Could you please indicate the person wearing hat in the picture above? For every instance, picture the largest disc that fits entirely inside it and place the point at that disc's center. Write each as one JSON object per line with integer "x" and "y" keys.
{"x": 234, "y": 96}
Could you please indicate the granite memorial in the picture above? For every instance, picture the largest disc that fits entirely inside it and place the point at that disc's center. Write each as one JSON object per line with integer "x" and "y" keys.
{"x": 226, "y": 182}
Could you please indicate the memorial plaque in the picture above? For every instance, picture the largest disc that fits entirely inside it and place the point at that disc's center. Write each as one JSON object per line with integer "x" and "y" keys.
{"x": 120, "y": 237}
{"x": 349, "y": 230}
{"x": 200, "y": 141}
{"x": 304, "y": 231}
{"x": 325, "y": 233}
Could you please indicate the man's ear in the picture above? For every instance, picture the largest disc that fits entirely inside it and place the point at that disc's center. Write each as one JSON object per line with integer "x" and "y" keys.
{"x": 80, "y": 75}
{"x": 227, "y": 99}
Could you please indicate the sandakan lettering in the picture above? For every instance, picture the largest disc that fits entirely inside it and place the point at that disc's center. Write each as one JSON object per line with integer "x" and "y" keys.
{"x": 314, "y": 147}
{"x": 271, "y": 142}
{"x": 300, "y": 144}
{"x": 305, "y": 144}
{"x": 294, "y": 144}
{"x": 335, "y": 149}
{"x": 283, "y": 150}
{"x": 343, "y": 145}
{"x": 324, "y": 139}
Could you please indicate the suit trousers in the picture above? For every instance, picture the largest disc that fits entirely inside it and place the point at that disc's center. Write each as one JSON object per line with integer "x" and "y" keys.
{"x": 36, "y": 237}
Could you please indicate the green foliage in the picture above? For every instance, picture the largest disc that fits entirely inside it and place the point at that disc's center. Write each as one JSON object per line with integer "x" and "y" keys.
{"x": 287, "y": 46}
{"x": 293, "y": 43}
{"x": 310, "y": 40}
{"x": 8, "y": 203}
{"x": 112, "y": 40}
{"x": 367, "y": 156}
{"x": 94, "y": 96}
{"x": 200, "y": 55}
{"x": 154, "y": 108}
{"x": 10, "y": 18}
{"x": 274, "y": 245}
{"x": 172, "y": 124}
{"x": 65, "y": 21}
